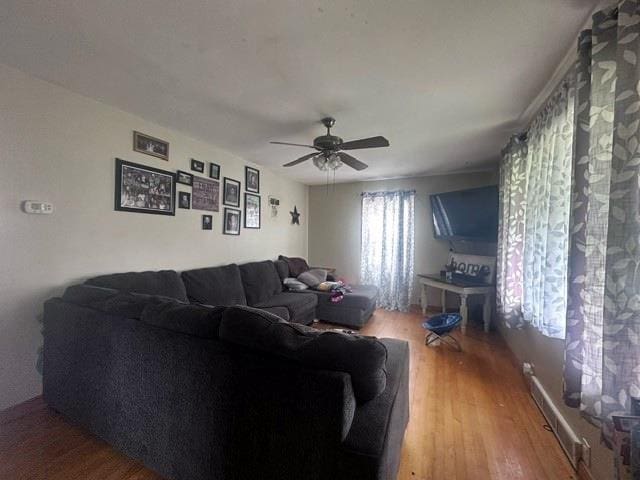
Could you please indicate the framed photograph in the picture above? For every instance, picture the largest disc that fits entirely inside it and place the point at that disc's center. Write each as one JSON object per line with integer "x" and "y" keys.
{"x": 143, "y": 189}
{"x": 197, "y": 165}
{"x": 207, "y": 222}
{"x": 252, "y": 180}
{"x": 214, "y": 171}
{"x": 184, "y": 200}
{"x": 231, "y": 224}
{"x": 184, "y": 178}
{"x": 150, "y": 145}
{"x": 251, "y": 210}
{"x": 206, "y": 194}
{"x": 231, "y": 193}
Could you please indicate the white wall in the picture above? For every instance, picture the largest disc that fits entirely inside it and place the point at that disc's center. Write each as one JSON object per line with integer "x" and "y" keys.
{"x": 547, "y": 356}
{"x": 59, "y": 146}
{"x": 334, "y": 231}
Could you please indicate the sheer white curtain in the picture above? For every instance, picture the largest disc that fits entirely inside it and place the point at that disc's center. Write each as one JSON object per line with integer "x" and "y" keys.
{"x": 548, "y": 207}
{"x": 388, "y": 246}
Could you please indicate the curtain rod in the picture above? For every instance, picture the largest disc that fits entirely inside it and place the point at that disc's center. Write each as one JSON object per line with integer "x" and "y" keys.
{"x": 383, "y": 192}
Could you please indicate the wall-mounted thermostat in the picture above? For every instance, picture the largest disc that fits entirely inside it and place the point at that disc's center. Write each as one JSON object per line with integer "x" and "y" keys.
{"x": 40, "y": 208}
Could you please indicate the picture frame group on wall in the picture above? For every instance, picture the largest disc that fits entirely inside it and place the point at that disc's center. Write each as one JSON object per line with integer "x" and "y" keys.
{"x": 231, "y": 221}
{"x": 149, "y": 145}
{"x": 231, "y": 192}
{"x": 143, "y": 189}
{"x": 251, "y": 210}
{"x": 197, "y": 165}
{"x": 251, "y": 179}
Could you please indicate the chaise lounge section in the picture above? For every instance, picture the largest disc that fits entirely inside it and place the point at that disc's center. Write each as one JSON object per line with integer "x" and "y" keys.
{"x": 354, "y": 310}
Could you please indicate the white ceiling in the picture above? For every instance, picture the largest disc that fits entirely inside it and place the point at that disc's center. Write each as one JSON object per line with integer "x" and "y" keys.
{"x": 444, "y": 80}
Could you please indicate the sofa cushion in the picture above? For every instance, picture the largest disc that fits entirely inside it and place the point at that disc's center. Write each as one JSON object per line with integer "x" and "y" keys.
{"x": 282, "y": 268}
{"x": 166, "y": 283}
{"x": 114, "y": 302}
{"x": 296, "y": 265}
{"x": 363, "y": 358}
{"x": 215, "y": 285}
{"x": 281, "y": 312}
{"x": 198, "y": 320}
{"x": 294, "y": 302}
{"x": 260, "y": 281}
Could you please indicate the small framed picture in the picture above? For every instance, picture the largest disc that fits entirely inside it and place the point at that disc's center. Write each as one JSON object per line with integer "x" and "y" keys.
{"x": 231, "y": 224}
{"x": 143, "y": 189}
{"x": 184, "y": 178}
{"x": 251, "y": 210}
{"x": 184, "y": 200}
{"x": 207, "y": 222}
{"x": 150, "y": 145}
{"x": 252, "y": 179}
{"x": 214, "y": 171}
{"x": 197, "y": 165}
{"x": 231, "y": 192}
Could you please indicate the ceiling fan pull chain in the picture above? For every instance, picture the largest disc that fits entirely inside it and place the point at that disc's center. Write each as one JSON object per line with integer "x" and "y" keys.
{"x": 327, "y": 183}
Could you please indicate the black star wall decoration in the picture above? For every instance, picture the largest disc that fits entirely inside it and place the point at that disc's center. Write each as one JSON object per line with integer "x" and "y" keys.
{"x": 295, "y": 216}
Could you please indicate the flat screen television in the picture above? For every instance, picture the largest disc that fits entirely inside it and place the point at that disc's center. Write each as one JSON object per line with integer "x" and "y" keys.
{"x": 470, "y": 215}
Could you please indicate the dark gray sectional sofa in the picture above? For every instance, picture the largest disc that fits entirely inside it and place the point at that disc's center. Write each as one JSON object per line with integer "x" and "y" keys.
{"x": 224, "y": 392}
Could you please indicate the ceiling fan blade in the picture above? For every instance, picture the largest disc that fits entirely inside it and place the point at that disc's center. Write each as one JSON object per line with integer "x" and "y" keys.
{"x": 301, "y": 159}
{"x": 352, "y": 162}
{"x": 372, "y": 142}
{"x": 292, "y": 144}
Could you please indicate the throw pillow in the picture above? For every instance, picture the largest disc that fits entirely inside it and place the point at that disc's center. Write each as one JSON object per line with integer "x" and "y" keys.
{"x": 293, "y": 284}
{"x": 297, "y": 265}
{"x": 313, "y": 278}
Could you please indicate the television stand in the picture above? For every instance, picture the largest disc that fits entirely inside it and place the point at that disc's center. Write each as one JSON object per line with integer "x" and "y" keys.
{"x": 462, "y": 287}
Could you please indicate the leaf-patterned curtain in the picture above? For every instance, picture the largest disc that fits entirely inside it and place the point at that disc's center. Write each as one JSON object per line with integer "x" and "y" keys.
{"x": 602, "y": 368}
{"x": 533, "y": 232}
{"x": 511, "y": 222}
{"x": 548, "y": 205}
{"x": 388, "y": 246}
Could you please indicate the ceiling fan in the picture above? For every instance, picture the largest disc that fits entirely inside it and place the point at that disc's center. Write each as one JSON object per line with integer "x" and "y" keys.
{"x": 329, "y": 153}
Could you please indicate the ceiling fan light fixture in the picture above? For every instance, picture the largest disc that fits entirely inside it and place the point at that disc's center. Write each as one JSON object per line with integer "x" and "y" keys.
{"x": 321, "y": 163}
{"x": 334, "y": 162}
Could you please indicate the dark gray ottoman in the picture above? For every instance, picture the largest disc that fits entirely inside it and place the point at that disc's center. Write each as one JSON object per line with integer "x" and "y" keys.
{"x": 353, "y": 311}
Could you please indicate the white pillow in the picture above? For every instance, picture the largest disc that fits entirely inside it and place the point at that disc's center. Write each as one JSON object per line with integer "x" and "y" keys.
{"x": 293, "y": 284}
{"x": 313, "y": 277}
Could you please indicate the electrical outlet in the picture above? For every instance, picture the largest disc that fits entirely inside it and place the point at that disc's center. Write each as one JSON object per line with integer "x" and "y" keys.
{"x": 586, "y": 452}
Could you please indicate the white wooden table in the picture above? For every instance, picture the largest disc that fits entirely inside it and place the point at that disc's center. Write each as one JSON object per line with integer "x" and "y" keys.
{"x": 464, "y": 288}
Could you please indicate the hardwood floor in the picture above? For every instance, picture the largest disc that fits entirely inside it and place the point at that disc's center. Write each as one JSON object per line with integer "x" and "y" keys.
{"x": 471, "y": 418}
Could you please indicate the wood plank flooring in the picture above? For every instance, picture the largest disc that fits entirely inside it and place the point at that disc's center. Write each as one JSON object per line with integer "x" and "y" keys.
{"x": 471, "y": 418}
